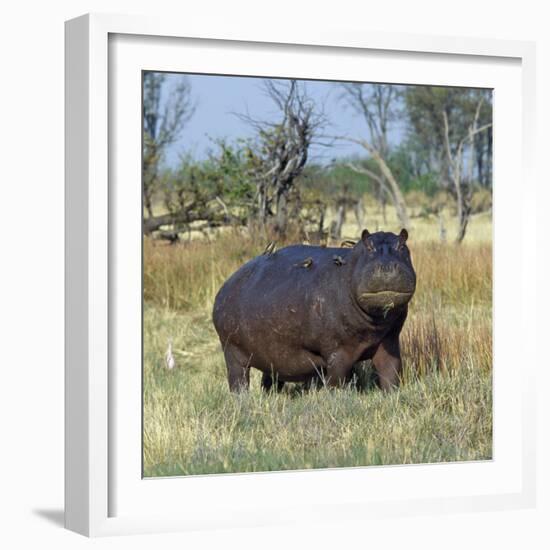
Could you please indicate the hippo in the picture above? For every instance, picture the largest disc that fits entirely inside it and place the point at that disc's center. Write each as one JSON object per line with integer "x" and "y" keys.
{"x": 304, "y": 312}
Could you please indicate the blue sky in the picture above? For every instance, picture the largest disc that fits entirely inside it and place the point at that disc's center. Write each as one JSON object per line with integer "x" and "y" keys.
{"x": 218, "y": 97}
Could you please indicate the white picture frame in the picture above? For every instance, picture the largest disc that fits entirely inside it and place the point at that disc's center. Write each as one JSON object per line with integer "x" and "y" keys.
{"x": 104, "y": 492}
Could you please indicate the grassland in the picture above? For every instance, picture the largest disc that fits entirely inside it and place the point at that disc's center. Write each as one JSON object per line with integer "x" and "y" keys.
{"x": 442, "y": 412}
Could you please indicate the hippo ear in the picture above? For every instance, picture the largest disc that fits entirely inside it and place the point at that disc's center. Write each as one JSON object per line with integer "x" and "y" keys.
{"x": 366, "y": 241}
{"x": 403, "y": 236}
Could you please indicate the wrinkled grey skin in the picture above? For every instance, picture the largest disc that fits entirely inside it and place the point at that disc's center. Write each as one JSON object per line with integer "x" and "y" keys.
{"x": 307, "y": 311}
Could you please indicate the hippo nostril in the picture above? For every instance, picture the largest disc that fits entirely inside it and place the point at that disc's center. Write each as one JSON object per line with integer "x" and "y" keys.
{"x": 388, "y": 268}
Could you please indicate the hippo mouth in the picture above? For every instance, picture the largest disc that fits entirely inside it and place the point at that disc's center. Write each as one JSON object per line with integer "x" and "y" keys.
{"x": 385, "y": 299}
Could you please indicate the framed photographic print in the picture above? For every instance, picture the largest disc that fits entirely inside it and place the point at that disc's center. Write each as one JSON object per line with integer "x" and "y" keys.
{"x": 288, "y": 276}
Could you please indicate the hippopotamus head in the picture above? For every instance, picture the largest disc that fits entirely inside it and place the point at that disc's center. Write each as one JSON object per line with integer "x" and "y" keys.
{"x": 383, "y": 275}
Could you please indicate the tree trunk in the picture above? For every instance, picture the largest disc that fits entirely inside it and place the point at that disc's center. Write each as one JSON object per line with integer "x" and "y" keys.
{"x": 359, "y": 211}
{"x": 462, "y": 225}
{"x": 282, "y": 213}
{"x": 463, "y": 196}
{"x": 488, "y": 176}
{"x": 442, "y": 229}
{"x": 480, "y": 157}
{"x": 464, "y": 211}
{"x": 153, "y": 223}
{"x": 321, "y": 226}
{"x": 459, "y": 207}
{"x": 397, "y": 196}
{"x": 337, "y": 224}
{"x": 262, "y": 206}
{"x": 148, "y": 204}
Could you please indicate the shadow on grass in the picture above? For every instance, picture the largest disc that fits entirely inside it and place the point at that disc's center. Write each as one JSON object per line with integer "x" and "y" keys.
{"x": 363, "y": 379}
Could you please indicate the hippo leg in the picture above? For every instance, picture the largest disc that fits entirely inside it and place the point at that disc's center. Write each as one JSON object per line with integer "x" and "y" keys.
{"x": 338, "y": 370}
{"x": 387, "y": 362}
{"x": 267, "y": 383}
{"x": 238, "y": 368}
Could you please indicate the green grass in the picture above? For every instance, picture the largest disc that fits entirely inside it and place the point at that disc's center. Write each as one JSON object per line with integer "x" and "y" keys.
{"x": 442, "y": 412}
{"x": 194, "y": 426}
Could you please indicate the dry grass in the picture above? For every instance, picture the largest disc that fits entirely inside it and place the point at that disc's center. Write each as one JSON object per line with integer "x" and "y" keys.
{"x": 442, "y": 412}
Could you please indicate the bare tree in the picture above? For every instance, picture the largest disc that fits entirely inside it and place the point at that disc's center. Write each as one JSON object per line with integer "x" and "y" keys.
{"x": 423, "y": 108}
{"x": 163, "y": 120}
{"x": 280, "y": 151}
{"x": 375, "y": 103}
{"x": 462, "y": 186}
